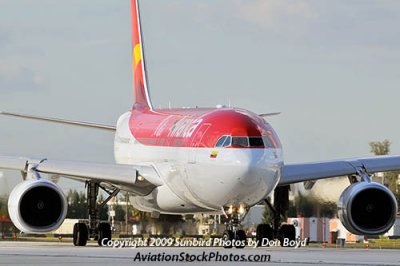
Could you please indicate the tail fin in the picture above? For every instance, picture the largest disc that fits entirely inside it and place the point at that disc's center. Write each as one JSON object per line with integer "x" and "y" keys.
{"x": 141, "y": 92}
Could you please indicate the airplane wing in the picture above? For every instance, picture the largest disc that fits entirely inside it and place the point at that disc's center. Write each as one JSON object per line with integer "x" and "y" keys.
{"x": 60, "y": 121}
{"x": 138, "y": 179}
{"x": 301, "y": 172}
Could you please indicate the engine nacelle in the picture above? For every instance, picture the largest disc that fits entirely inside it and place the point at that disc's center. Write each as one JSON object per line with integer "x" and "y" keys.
{"x": 367, "y": 208}
{"x": 37, "y": 206}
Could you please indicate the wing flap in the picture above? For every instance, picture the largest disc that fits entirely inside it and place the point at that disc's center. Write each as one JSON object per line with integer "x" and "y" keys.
{"x": 13, "y": 162}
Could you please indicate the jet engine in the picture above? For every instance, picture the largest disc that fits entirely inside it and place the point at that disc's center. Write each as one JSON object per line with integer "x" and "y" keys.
{"x": 37, "y": 206}
{"x": 367, "y": 208}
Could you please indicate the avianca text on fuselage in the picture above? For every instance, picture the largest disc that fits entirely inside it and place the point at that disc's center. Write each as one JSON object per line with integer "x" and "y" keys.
{"x": 208, "y": 158}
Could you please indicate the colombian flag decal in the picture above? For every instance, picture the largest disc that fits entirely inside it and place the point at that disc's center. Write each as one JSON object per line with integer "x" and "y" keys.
{"x": 214, "y": 154}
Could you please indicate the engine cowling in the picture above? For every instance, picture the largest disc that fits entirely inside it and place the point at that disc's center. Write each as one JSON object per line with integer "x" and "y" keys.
{"x": 367, "y": 208}
{"x": 37, "y": 206}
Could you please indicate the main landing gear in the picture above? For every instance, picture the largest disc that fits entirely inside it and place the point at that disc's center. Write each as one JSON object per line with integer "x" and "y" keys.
{"x": 93, "y": 229}
{"x": 277, "y": 230}
{"x": 234, "y": 235}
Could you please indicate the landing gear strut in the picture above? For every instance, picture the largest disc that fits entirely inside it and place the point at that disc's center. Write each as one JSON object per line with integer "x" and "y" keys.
{"x": 93, "y": 229}
{"x": 277, "y": 230}
{"x": 234, "y": 235}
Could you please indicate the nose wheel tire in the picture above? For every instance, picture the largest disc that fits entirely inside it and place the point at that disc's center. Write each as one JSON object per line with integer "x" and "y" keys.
{"x": 236, "y": 239}
{"x": 240, "y": 239}
{"x": 80, "y": 234}
{"x": 228, "y": 237}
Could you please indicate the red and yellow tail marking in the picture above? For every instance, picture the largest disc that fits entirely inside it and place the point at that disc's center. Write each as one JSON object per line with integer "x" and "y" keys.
{"x": 137, "y": 55}
{"x": 142, "y": 99}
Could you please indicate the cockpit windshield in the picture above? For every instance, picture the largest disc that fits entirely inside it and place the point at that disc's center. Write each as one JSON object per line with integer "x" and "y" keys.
{"x": 245, "y": 141}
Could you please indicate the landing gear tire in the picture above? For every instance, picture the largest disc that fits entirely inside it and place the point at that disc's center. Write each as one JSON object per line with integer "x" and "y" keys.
{"x": 240, "y": 239}
{"x": 287, "y": 231}
{"x": 228, "y": 237}
{"x": 104, "y": 232}
{"x": 264, "y": 231}
{"x": 80, "y": 234}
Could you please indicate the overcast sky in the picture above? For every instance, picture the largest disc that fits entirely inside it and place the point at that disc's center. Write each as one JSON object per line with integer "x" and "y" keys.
{"x": 331, "y": 67}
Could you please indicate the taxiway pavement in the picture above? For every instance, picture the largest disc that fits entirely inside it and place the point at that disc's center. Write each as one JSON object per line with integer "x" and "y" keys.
{"x": 64, "y": 253}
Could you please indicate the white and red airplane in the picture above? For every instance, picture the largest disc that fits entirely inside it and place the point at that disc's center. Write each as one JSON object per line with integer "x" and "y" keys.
{"x": 192, "y": 160}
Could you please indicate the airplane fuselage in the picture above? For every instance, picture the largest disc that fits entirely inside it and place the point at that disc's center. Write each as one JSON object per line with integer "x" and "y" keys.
{"x": 199, "y": 172}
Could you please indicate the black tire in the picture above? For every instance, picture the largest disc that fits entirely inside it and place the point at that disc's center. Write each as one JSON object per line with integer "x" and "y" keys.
{"x": 287, "y": 231}
{"x": 80, "y": 234}
{"x": 264, "y": 231}
{"x": 104, "y": 232}
{"x": 241, "y": 236}
{"x": 228, "y": 236}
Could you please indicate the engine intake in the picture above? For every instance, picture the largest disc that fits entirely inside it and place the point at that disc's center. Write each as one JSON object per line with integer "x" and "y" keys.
{"x": 367, "y": 208}
{"x": 37, "y": 206}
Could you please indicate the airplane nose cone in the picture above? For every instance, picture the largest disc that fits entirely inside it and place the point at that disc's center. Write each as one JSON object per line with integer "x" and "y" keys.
{"x": 256, "y": 164}
{"x": 260, "y": 173}
{"x": 243, "y": 176}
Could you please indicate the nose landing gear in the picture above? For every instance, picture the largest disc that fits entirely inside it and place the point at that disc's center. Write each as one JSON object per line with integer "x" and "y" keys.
{"x": 234, "y": 235}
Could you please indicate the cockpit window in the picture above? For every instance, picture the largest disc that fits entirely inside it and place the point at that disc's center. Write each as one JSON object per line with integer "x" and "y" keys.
{"x": 256, "y": 142}
{"x": 267, "y": 142}
{"x": 221, "y": 141}
{"x": 240, "y": 141}
{"x": 228, "y": 141}
{"x": 224, "y": 141}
